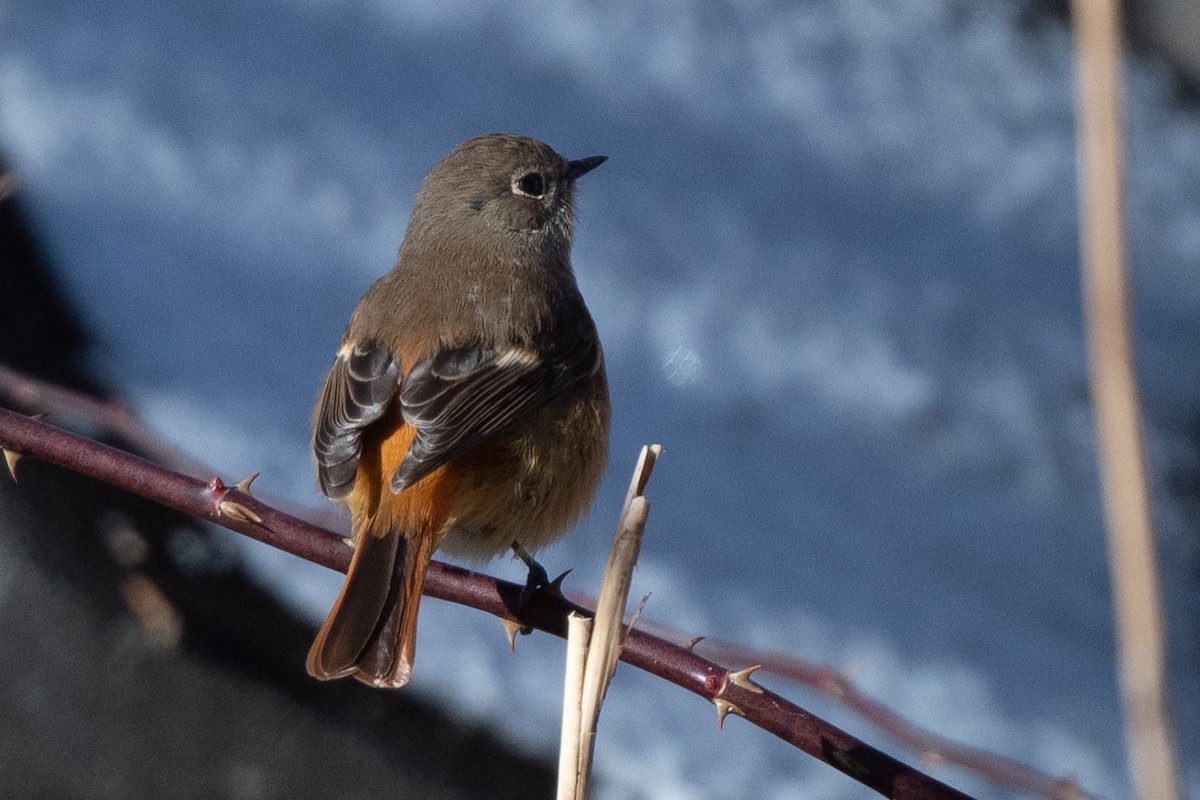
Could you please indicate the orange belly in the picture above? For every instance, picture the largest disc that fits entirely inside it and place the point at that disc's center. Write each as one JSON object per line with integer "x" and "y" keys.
{"x": 375, "y": 509}
{"x": 528, "y": 484}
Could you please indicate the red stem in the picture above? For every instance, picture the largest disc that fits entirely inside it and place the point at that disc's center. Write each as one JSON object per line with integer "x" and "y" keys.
{"x": 680, "y": 666}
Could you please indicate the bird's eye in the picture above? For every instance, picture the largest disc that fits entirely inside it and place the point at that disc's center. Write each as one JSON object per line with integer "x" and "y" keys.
{"x": 530, "y": 184}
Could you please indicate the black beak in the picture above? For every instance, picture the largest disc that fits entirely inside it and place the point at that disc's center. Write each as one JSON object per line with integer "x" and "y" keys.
{"x": 583, "y": 166}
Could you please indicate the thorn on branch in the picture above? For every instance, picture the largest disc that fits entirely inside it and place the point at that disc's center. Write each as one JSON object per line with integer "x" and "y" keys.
{"x": 244, "y": 486}
{"x": 238, "y": 511}
{"x": 724, "y": 707}
{"x": 231, "y": 508}
{"x": 511, "y": 629}
{"x": 555, "y": 586}
{"x": 11, "y": 457}
{"x": 690, "y": 644}
{"x": 742, "y": 678}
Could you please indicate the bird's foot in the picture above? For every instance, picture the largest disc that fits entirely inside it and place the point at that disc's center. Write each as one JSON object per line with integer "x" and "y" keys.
{"x": 537, "y": 579}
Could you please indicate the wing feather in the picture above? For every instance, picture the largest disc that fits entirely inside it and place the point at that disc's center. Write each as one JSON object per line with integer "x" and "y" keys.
{"x": 359, "y": 388}
{"x": 459, "y": 396}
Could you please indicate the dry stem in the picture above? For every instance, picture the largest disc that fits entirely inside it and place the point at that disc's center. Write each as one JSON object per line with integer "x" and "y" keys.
{"x": 1139, "y": 626}
{"x": 603, "y": 647}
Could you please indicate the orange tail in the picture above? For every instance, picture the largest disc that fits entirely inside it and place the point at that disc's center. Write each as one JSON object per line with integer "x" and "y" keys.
{"x": 371, "y": 631}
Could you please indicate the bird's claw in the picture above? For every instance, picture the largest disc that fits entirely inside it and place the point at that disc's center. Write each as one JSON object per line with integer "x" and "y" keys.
{"x": 537, "y": 579}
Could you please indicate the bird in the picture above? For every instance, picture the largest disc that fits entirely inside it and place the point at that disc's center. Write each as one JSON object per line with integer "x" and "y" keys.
{"x": 467, "y": 408}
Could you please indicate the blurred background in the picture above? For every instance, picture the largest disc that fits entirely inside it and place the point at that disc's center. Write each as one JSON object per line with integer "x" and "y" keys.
{"x": 833, "y": 262}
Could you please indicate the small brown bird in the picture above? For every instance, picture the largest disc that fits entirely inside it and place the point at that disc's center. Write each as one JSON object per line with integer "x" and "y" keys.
{"x": 467, "y": 408}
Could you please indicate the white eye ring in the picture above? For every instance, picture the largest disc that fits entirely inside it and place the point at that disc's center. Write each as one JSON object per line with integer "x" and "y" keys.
{"x": 529, "y": 184}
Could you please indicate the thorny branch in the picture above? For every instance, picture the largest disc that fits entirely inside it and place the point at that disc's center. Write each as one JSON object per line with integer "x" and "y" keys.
{"x": 233, "y": 508}
{"x": 113, "y": 418}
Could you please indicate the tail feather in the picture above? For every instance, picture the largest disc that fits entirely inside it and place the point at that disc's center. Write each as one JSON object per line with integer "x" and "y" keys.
{"x": 370, "y": 632}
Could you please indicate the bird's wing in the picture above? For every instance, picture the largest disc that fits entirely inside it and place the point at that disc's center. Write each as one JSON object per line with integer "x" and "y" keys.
{"x": 357, "y": 391}
{"x": 457, "y": 397}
